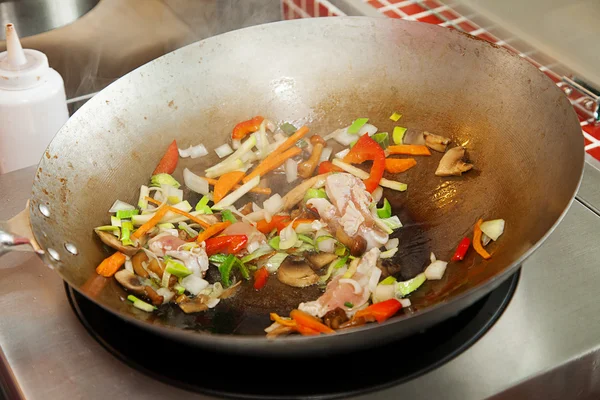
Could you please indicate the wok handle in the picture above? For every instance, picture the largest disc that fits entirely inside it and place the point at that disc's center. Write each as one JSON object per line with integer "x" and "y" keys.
{"x": 16, "y": 234}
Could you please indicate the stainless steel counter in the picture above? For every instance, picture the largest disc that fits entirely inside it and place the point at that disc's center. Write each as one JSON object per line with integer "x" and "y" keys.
{"x": 549, "y": 332}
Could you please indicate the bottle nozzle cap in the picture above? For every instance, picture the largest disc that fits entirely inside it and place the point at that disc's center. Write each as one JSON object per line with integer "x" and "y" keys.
{"x": 15, "y": 54}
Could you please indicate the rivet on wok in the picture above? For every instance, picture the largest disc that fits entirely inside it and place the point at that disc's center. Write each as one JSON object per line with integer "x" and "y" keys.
{"x": 567, "y": 90}
{"x": 589, "y": 104}
{"x": 44, "y": 210}
{"x": 71, "y": 248}
{"x": 54, "y": 254}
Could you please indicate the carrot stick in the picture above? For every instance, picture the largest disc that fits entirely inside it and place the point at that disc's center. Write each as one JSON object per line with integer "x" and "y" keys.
{"x": 212, "y": 231}
{"x": 397, "y": 165}
{"x": 225, "y": 183}
{"x": 306, "y": 331}
{"x": 477, "y": 241}
{"x": 309, "y": 321}
{"x": 259, "y": 190}
{"x": 282, "y": 321}
{"x": 189, "y": 216}
{"x": 110, "y": 265}
{"x": 279, "y": 151}
{"x": 141, "y": 231}
{"x": 409, "y": 149}
{"x": 272, "y": 163}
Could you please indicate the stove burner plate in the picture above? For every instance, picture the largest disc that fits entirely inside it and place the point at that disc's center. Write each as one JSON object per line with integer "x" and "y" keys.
{"x": 251, "y": 377}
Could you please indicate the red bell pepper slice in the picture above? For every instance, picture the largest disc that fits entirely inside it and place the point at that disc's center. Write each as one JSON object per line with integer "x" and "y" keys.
{"x": 367, "y": 149}
{"x": 260, "y": 278}
{"x": 328, "y": 166}
{"x": 246, "y": 127}
{"x": 277, "y": 222}
{"x": 461, "y": 249}
{"x": 228, "y": 244}
{"x": 380, "y": 311}
{"x": 168, "y": 162}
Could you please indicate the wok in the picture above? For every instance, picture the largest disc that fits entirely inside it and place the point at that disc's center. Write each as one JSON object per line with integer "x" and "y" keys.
{"x": 520, "y": 131}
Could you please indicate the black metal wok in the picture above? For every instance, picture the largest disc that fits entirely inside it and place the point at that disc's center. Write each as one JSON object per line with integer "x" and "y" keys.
{"x": 520, "y": 130}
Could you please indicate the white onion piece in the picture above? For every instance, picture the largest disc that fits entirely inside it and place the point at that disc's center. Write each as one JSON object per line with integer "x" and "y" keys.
{"x": 374, "y": 279}
{"x": 291, "y": 170}
{"x": 357, "y": 288}
{"x": 224, "y": 150}
{"x": 287, "y": 237}
{"x": 194, "y": 182}
{"x": 279, "y": 137}
{"x": 432, "y": 257}
{"x": 193, "y": 151}
{"x": 325, "y": 245}
{"x": 325, "y": 154}
{"x": 342, "y": 154}
{"x": 493, "y": 229}
{"x": 392, "y": 243}
{"x": 383, "y": 293}
{"x": 405, "y": 302}
{"x": 255, "y": 207}
{"x": 165, "y": 278}
{"x": 166, "y": 294}
{"x": 344, "y": 138}
{"x": 305, "y": 228}
{"x": 212, "y": 302}
{"x": 194, "y": 284}
{"x": 485, "y": 239}
{"x": 435, "y": 270}
{"x": 388, "y": 253}
{"x": 119, "y": 205}
{"x": 268, "y": 216}
{"x": 256, "y": 215}
{"x": 273, "y": 204}
{"x": 367, "y": 128}
{"x": 377, "y": 194}
{"x": 129, "y": 265}
{"x": 235, "y": 143}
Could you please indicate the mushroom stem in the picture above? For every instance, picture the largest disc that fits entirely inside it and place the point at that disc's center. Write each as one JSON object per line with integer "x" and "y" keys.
{"x": 306, "y": 168}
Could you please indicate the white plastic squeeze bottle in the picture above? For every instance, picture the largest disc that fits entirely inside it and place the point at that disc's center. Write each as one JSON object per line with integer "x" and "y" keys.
{"x": 33, "y": 104}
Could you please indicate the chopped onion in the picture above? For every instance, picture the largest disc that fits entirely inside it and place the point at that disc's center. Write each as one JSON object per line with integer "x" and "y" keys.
{"x": 273, "y": 204}
{"x": 388, "y": 253}
{"x": 435, "y": 270}
{"x": 342, "y": 154}
{"x": 375, "y": 275}
{"x": 366, "y": 128}
{"x": 392, "y": 244}
{"x": 493, "y": 228}
{"x": 186, "y": 228}
{"x": 165, "y": 278}
{"x": 144, "y": 192}
{"x": 237, "y": 194}
{"x": 432, "y": 257}
{"x": 291, "y": 170}
{"x": 256, "y": 215}
{"x": 212, "y": 302}
{"x": 129, "y": 265}
{"x": 288, "y": 237}
{"x": 235, "y": 143}
{"x": 193, "y": 151}
{"x": 383, "y": 293}
{"x": 377, "y": 194}
{"x": 119, "y": 205}
{"x": 325, "y": 245}
{"x": 485, "y": 239}
{"x": 405, "y": 302}
{"x": 274, "y": 262}
{"x": 325, "y": 154}
{"x": 305, "y": 227}
{"x": 279, "y": 137}
{"x": 166, "y": 294}
{"x": 357, "y": 288}
{"x": 194, "y": 182}
{"x": 232, "y": 162}
{"x": 194, "y": 284}
{"x": 224, "y": 150}
{"x": 343, "y": 137}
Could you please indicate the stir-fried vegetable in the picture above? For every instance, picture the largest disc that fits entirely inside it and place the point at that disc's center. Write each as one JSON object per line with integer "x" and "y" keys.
{"x": 477, "y": 241}
{"x": 168, "y": 162}
{"x": 328, "y": 230}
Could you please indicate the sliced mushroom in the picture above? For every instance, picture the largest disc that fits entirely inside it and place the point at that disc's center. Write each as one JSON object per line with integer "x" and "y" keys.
{"x": 335, "y": 318}
{"x": 356, "y": 244}
{"x": 130, "y": 282}
{"x": 296, "y": 195}
{"x": 296, "y": 274}
{"x": 452, "y": 163}
{"x": 319, "y": 260}
{"x": 280, "y": 331}
{"x": 436, "y": 142}
{"x": 112, "y": 241}
{"x": 137, "y": 261}
{"x": 197, "y": 304}
{"x": 413, "y": 136}
{"x": 247, "y": 209}
{"x": 154, "y": 297}
{"x": 306, "y": 168}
